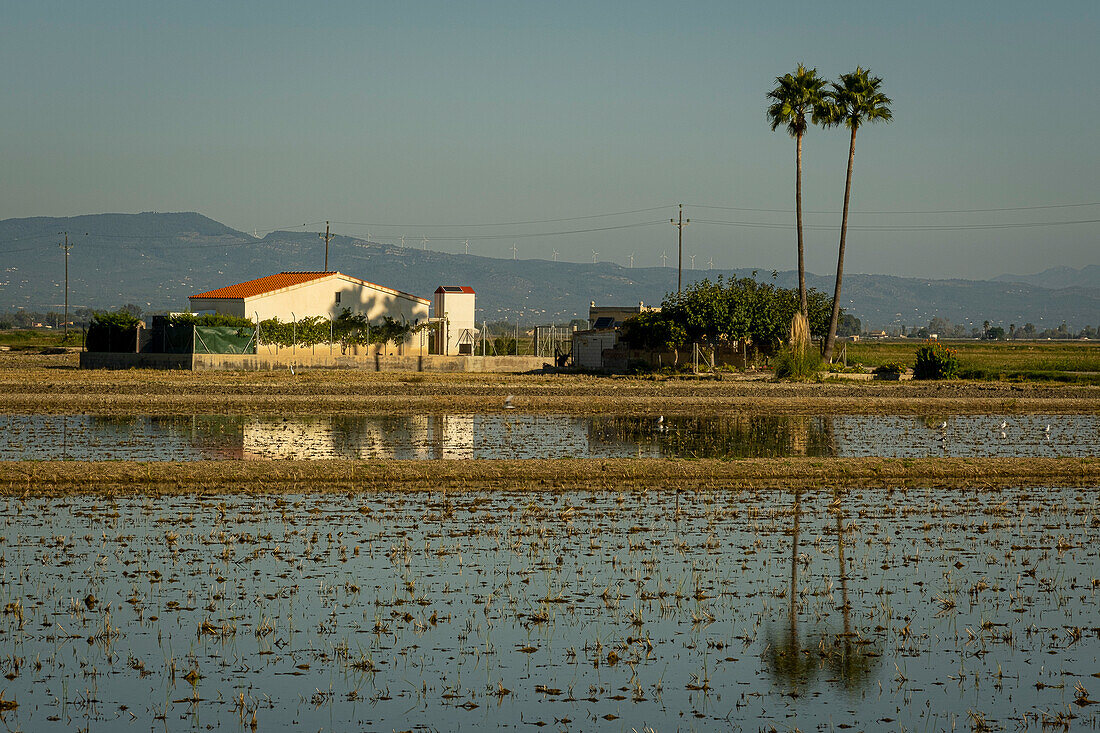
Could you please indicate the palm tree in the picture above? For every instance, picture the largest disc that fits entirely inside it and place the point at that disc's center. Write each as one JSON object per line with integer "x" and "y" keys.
{"x": 795, "y": 96}
{"x": 855, "y": 100}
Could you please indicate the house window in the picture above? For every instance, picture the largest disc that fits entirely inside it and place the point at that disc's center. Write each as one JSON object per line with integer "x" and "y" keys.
{"x": 338, "y": 298}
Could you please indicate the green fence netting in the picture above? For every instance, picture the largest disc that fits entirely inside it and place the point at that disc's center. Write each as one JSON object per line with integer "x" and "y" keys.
{"x": 224, "y": 340}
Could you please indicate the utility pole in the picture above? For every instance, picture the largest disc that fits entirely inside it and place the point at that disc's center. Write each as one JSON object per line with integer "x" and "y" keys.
{"x": 326, "y": 236}
{"x": 680, "y": 243}
{"x": 66, "y": 246}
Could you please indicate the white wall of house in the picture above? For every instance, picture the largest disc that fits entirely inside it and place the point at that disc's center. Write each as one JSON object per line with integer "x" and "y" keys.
{"x": 326, "y": 297}
{"x": 588, "y": 347}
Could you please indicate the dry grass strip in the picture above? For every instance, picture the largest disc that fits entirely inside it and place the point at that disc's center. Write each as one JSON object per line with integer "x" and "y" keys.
{"x": 610, "y": 403}
{"x": 62, "y": 478}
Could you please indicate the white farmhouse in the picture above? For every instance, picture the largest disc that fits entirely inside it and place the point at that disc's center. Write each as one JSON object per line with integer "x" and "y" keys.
{"x": 291, "y": 296}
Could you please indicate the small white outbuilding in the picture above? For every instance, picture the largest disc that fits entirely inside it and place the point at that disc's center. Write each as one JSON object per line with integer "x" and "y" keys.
{"x": 454, "y": 310}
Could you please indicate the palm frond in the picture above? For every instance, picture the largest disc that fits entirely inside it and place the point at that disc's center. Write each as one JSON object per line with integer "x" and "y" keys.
{"x": 796, "y": 96}
{"x": 857, "y": 98}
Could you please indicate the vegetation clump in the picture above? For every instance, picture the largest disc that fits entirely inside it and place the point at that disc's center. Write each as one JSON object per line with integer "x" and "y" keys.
{"x": 725, "y": 311}
{"x": 936, "y": 361}
{"x": 210, "y": 319}
{"x": 891, "y": 367}
{"x": 797, "y": 364}
{"x": 119, "y": 320}
{"x": 347, "y": 329}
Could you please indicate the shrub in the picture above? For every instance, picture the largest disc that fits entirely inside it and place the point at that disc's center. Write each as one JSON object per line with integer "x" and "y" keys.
{"x": 117, "y": 320}
{"x": 797, "y": 363}
{"x": 892, "y": 367}
{"x": 936, "y": 361}
{"x": 210, "y": 319}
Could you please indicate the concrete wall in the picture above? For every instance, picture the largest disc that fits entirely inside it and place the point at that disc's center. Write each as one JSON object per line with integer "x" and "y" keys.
{"x": 304, "y": 360}
{"x": 619, "y": 358}
{"x": 379, "y": 363}
{"x": 104, "y": 360}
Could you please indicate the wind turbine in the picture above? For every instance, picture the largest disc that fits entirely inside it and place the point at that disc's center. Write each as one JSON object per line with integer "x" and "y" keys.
{"x": 402, "y": 240}
{"x": 513, "y": 250}
{"x": 692, "y": 261}
{"x": 710, "y": 264}
{"x": 424, "y": 242}
{"x": 595, "y": 256}
{"x": 664, "y": 259}
{"x": 555, "y": 255}
{"x": 467, "y": 245}
{"x": 631, "y": 260}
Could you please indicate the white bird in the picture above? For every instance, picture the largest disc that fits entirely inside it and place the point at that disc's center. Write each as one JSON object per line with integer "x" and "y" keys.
{"x": 508, "y": 403}
{"x": 1004, "y": 424}
{"x": 1003, "y": 434}
{"x": 660, "y": 423}
{"x": 1047, "y": 429}
{"x": 291, "y": 370}
{"x": 943, "y": 425}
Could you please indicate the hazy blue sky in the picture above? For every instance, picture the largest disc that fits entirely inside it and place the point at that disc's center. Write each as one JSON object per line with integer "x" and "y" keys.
{"x": 268, "y": 115}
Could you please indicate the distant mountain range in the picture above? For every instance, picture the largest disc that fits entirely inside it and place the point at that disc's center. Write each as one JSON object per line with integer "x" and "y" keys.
{"x": 156, "y": 260}
{"x": 1056, "y": 278}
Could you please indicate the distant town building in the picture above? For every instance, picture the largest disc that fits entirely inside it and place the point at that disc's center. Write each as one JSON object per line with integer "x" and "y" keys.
{"x": 612, "y": 316}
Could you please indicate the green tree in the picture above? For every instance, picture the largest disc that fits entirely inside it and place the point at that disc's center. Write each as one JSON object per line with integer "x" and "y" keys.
{"x": 795, "y": 96}
{"x": 849, "y": 325}
{"x": 653, "y": 330}
{"x": 854, "y": 100}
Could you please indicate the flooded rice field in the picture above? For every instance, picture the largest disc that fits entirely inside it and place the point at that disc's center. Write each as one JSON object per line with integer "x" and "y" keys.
{"x": 511, "y": 435}
{"x": 915, "y": 610}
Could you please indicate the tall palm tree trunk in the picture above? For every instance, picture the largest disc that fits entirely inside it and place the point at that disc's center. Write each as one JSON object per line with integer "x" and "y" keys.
{"x": 830, "y": 339}
{"x": 798, "y": 219}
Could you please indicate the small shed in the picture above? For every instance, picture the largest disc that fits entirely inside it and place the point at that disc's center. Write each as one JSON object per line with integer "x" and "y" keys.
{"x": 453, "y": 308}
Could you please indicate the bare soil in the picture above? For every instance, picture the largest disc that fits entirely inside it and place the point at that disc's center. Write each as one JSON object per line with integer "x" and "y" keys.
{"x": 52, "y": 384}
{"x": 61, "y": 478}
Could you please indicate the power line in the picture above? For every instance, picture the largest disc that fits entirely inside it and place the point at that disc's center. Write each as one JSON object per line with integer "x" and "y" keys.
{"x": 533, "y": 235}
{"x": 504, "y": 223}
{"x": 900, "y": 227}
{"x": 915, "y": 211}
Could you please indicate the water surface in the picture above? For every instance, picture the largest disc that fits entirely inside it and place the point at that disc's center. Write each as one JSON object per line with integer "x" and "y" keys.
{"x": 521, "y": 435}
{"x": 915, "y": 610}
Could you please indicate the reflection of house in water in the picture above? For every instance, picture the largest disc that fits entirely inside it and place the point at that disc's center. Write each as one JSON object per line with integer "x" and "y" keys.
{"x": 354, "y": 437}
{"x": 452, "y": 436}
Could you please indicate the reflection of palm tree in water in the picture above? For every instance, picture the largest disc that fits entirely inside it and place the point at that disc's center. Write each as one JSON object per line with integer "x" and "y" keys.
{"x": 784, "y": 656}
{"x": 849, "y": 659}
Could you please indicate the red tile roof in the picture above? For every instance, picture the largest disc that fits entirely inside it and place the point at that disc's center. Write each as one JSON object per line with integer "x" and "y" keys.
{"x": 283, "y": 280}
{"x": 262, "y": 285}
